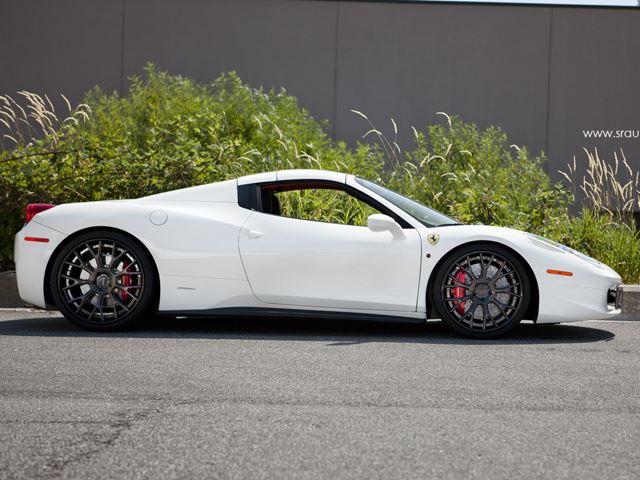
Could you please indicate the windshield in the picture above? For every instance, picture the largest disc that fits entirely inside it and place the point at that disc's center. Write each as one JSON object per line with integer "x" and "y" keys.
{"x": 425, "y": 215}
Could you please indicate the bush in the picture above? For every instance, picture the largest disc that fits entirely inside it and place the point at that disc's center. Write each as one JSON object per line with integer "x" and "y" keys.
{"x": 601, "y": 237}
{"x": 170, "y": 132}
{"x": 476, "y": 176}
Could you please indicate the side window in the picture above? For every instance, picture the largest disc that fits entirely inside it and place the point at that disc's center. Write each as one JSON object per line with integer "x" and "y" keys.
{"x": 323, "y": 205}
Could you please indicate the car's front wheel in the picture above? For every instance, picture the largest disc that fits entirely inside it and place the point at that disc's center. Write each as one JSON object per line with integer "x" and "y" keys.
{"x": 481, "y": 290}
{"x": 103, "y": 280}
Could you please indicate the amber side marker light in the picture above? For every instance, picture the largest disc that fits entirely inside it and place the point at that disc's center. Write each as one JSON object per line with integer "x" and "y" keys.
{"x": 560, "y": 272}
{"x": 36, "y": 239}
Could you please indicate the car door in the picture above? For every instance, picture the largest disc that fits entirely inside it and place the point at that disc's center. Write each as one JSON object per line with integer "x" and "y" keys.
{"x": 300, "y": 262}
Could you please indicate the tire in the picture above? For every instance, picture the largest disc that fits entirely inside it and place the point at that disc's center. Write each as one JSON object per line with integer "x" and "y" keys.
{"x": 104, "y": 281}
{"x": 481, "y": 290}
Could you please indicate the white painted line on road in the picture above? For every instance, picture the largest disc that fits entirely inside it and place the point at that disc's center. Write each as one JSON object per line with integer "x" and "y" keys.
{"x": 25, "y": 309}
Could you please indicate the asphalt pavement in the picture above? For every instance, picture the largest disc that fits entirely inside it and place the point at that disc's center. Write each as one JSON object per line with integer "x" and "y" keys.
{"x": 265, "y": 398}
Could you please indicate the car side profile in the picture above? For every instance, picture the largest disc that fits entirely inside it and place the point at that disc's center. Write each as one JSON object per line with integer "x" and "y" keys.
{"x": 299, "y": 242}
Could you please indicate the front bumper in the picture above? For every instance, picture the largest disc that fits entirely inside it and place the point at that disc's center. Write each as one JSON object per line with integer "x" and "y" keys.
{"x": 584, "y": 296}
{"x": 615, "y": 298}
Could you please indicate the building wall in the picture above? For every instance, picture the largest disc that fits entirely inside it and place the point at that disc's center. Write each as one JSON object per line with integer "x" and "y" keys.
{"x": 542, "y": 73}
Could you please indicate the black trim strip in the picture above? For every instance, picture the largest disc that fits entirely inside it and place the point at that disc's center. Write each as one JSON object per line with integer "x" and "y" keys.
{"x": 249, "y": 197}
{"x": 290, "y": 313}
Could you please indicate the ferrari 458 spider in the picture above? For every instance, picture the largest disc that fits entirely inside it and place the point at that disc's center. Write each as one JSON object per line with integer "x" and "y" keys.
{"x": 265, "y": 245}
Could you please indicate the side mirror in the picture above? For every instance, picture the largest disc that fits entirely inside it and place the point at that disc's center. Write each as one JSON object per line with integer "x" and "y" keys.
{"x": 384, "y": 223}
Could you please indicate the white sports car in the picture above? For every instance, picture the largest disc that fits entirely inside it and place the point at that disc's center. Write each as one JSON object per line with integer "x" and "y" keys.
{"x": 233, "y": 248}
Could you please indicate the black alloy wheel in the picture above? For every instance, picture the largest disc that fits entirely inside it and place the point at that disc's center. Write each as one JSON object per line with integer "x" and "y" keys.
{"x": 482, "y": 291}
{"x": 103, "y": 280}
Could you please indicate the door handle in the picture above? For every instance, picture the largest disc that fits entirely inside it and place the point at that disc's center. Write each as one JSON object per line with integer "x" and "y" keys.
{"x": 255, "y": 234}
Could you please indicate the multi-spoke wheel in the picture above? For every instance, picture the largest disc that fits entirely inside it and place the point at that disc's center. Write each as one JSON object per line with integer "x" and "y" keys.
{"x": 103, "y": 280}
{"x": 481, "y": 291}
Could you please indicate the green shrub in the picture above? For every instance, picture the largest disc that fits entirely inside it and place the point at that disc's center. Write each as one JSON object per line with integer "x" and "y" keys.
{"x": 474, "y": 175}
{"x": 600, "y": 236}
{"x": 170, "y": 132}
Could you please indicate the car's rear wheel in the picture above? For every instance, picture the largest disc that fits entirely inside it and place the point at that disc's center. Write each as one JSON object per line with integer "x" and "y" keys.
{"x": 103, "y": 280}
{"x": 481, "y": 291}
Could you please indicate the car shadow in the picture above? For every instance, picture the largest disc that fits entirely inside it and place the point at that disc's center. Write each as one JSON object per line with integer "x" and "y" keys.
{"x": 336, "y": 333}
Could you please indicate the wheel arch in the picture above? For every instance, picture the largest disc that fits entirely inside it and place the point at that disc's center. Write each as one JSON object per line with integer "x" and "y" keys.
{"x": 534, "y": 303}
{"x": 47, "y": 291}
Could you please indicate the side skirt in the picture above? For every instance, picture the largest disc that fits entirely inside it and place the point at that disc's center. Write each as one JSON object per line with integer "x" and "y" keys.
{"x": 289, "y": 313}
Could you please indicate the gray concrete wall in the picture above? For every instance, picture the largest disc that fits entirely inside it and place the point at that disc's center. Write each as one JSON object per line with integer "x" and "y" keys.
{"x": 543, "y": 73}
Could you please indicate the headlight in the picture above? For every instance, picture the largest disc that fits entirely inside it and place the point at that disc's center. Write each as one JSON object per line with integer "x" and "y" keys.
{"x": 564, "y": 248}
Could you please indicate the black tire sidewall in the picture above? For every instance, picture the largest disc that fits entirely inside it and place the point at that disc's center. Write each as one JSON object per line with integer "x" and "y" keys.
{"x": 437, "y": 302}
{"x": 146, "y": 305}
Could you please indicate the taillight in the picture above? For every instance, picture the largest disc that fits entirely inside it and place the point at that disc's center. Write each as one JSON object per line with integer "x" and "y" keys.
{"x": 34, "y": 208}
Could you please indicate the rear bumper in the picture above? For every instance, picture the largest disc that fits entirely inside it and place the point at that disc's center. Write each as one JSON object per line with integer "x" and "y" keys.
{"x": 31, "y": 260}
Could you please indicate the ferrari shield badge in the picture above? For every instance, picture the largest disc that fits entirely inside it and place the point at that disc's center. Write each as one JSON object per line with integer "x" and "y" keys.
{"x": 433, "y": 238}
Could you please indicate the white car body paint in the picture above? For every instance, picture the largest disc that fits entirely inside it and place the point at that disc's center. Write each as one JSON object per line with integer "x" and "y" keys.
{"x": 211, "y": 253}
{"x": 330, "y": 265}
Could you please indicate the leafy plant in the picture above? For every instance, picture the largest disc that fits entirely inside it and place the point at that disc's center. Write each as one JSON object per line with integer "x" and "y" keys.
{"x": 168, "y": 132}
{"x": 477, "y": 176}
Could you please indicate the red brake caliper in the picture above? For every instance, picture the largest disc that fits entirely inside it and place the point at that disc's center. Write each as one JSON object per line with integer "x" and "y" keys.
{"x": 126, "y": 282}
{"x": 458, "y": 292}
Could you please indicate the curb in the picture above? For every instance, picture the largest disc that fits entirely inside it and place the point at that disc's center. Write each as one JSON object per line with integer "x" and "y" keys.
{"x": 9, "y": 298}
{"x": 630, "y": 303}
